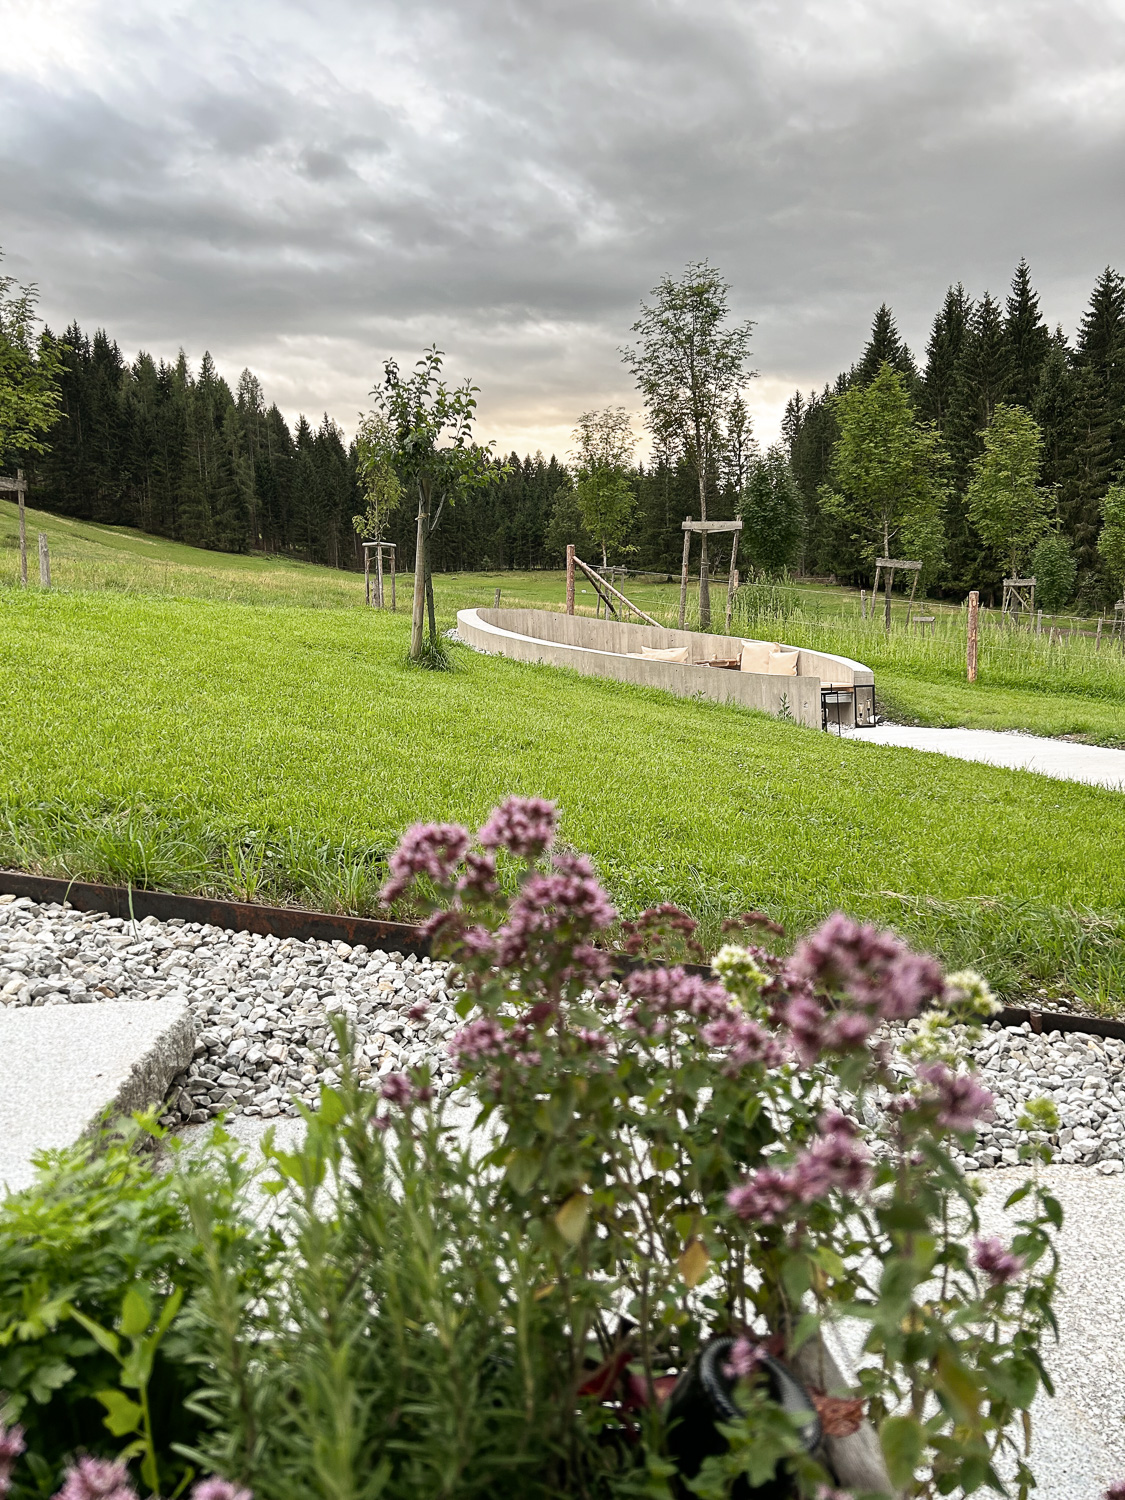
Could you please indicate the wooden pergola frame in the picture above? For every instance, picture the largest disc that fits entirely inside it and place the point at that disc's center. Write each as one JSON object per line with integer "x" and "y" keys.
{"x": 709, "y": 528}
{"x": 378, "y": 548}
{"x": 888, "y": 565}
{"x": 1019, "y": 597}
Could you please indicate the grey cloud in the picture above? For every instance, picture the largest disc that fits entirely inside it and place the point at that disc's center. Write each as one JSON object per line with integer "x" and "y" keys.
{"x": 309, "y": 188}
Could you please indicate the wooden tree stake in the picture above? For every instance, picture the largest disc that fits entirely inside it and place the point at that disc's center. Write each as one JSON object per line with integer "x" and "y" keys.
{"x": 971, "y": 650}
{"x": 23, "y": 527}
{"x": 379, "y": 577}
{"x": 570, "y": 580}
{"x": 44, "y": 561}
{"x": 683, "y": 574}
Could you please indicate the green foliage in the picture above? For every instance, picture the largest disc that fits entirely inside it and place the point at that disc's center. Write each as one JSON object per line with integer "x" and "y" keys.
{"x": 770, "y": 506}
{"x": 603, "y": 451}
{"x": 380, "y": 487}
{"x": 95, "y": 1260}
{"x": 1111, "y": 539}
{"x": 1004, "y": 500}
{"x": 888, "y": 472}
{"x": 29, "y": 368}
{"x": 1054, "y": 569}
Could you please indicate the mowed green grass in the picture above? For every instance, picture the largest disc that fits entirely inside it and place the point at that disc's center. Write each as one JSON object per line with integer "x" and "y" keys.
{"x": 1025, "y": 683}
{"x": 280, "y": 750}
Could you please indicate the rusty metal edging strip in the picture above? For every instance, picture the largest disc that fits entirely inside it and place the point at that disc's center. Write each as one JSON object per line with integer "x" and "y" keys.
{"x": 237, "y": 916}
{"x": 297, "y": 922}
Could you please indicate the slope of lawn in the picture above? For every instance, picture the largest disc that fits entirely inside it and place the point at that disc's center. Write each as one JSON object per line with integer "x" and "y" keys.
{"x": 1025, "y": 683}
{"x": 279, "y": 751}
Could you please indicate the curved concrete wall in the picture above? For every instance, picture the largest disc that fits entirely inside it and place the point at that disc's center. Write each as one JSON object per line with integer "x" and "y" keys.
{"x": 600, "y": 648}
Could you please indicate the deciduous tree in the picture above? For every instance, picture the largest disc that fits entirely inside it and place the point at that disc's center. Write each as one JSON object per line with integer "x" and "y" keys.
{"x": 602, "y": 457}
{"x": 1005, "y": 502}
{"x": 690, "y": 365}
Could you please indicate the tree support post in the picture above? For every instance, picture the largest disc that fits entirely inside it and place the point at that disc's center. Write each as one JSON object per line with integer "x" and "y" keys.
{"x": 732, "y": 581}
{"x": 20, "y": 491}
{"x": 683, "y": 571}
{"x": 44, "y": 561}
{"x": 418, "y": 617}
{"x": 971, "y": 644}
{"x": 570, "y": 580}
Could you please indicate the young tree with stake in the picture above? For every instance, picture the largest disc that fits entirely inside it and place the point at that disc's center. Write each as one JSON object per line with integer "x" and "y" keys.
{"x": 1006, "y": 505}
{"x": 690, "y": 367}
{"x": 1111, "y": 542}
{"x": 603, "y": 453}
{"x": 888, "y": 469}
{"x": 429, "y": 433}
{"x": 29, "y": 368}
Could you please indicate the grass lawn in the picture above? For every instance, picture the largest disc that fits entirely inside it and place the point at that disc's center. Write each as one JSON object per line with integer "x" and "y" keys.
{"x": 280, "y": 749}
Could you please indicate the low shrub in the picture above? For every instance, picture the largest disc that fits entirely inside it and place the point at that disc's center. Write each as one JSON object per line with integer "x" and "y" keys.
{"x": 626, "y": 1279}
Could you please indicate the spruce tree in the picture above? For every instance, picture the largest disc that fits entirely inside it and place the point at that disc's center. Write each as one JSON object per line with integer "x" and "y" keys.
{"x": 943, "y": 355}
{"x": 1027, "y": 336}
{"x": 885, "y": 347}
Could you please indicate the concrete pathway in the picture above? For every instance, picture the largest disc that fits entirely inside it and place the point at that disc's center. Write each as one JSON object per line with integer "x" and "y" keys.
{"x": 1094, "y": 764}
{"x": 61, "y": 1066}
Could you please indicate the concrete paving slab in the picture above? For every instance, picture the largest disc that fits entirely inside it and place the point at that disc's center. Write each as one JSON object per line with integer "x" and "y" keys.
{"x": 61, "y": 1066}
{"x": 1096, "y": 765}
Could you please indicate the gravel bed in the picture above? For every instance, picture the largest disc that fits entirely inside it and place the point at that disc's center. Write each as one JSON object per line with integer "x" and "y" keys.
{"x": 262, "y": 1008}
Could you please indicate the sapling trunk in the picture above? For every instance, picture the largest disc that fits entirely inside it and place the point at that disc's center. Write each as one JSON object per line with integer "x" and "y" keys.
{"x": 420, "y": 570}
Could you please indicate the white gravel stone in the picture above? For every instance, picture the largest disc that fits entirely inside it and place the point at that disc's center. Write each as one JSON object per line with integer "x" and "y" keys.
{"x": 261, "y": 1005}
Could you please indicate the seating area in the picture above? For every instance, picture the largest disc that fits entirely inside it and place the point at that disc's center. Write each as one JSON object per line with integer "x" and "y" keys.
{"x": 812, "y": 687}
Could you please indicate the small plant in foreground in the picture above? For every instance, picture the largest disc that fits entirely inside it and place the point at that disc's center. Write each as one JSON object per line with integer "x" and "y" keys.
{"x": 689, "y": 1156}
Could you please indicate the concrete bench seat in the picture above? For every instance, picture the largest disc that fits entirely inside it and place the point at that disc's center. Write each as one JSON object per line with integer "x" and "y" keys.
{"x": 616, "y": 649}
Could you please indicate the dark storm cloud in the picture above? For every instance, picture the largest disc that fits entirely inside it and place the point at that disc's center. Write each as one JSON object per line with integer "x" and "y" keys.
{"x": 307, "y": 188}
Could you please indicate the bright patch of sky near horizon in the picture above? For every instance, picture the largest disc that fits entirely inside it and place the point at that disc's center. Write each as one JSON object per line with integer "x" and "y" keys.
{"x": 306, "y": 188}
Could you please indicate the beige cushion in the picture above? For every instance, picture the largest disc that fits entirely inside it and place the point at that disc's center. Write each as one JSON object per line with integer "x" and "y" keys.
{"x": 756, "y": 655}
{"x": 670, "y": 653}
{"x": 783, "y": 663}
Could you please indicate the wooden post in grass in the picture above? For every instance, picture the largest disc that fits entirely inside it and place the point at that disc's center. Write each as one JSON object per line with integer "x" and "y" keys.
{"x": 366, "y": 576}
{"x": 570, "y": 580}
{"x": 732, "y": 589}
{"x": 863, "y": 604}
{"x": 683, "y": 573}
{"x": 496, "y": 601}
{"x": 44, "y": 561}
{"x": 971, "y": 650}
{"x": 1098, "y": 634}
{"x": 1039, "y": 622}
{"x": 21, "y": 489}
{"x": 379, "y": 578}
{"x": 393, "y": 611}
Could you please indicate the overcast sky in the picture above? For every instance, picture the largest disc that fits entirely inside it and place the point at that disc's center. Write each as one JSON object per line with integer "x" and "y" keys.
{"x": 305, "y": 188}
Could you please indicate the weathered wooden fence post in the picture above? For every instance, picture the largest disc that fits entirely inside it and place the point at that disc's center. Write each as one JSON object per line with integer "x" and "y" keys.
{"x": 23, "y": 527}
{"x": 44, "y": 561}
{"x": 971, "y": 649}
{"x": 496, "y": 601}
{"x": 683, "y": 572}
{"x": 570, "y": 580}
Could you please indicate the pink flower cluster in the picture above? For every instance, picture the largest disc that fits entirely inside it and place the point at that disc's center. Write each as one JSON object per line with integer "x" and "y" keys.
{"x": 837, "y": 1160}
{"x": 397, "y": 1089}
{"x": 743, "y": 1358}
{"x": 958, "y": 1099}
{"x": 477, "y": 1042}
{"x": 566, "y": 895}
{"x": 1116, "y": 1491}
{"x": 998, "y": 1263}
{"x": 667, "y": 992}
{"x": 11, "y": 1446}
{"x": 744, "y": 1040}
{"x": 431, "y": 849}
{"x": 874, "y": 970}
{"x": 525, "y": 826}
{"x": 97, "y": 1479}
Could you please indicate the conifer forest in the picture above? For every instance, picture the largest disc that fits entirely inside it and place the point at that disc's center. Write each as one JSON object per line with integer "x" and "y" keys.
{"x": 177, "y": 452}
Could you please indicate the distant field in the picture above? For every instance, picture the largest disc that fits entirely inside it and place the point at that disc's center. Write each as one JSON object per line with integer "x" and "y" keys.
{"x": 278, "y": 751}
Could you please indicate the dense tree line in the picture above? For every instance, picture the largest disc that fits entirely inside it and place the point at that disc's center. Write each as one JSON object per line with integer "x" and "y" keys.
{"x": 982, "y": 357}
{"x": 177, "y": 452}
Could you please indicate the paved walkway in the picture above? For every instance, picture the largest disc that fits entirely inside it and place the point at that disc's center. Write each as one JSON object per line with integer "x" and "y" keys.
{"x": 1094, "y": 764}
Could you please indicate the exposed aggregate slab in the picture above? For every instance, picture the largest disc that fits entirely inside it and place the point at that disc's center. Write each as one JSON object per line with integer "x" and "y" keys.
{"x": 262, "y": 1008}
